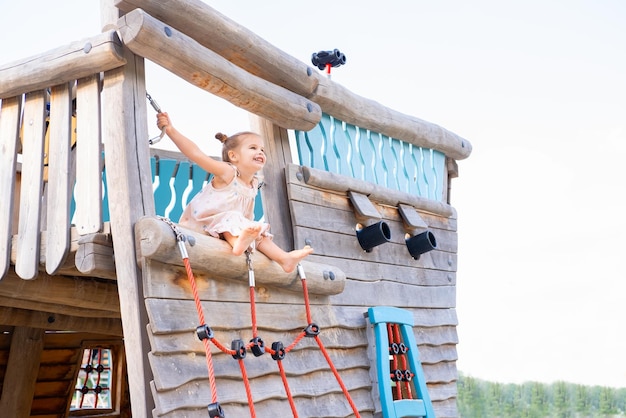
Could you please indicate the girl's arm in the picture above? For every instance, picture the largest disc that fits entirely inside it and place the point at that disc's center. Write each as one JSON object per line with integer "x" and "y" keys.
{"x": 191, "y": 150}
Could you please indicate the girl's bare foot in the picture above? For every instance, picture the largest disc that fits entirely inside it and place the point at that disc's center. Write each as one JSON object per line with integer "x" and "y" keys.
{"x": 291, "y": 259}
{"x": 247, "y": 237}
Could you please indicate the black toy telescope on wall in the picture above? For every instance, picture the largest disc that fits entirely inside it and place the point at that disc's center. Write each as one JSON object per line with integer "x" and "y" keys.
{"x": 373, "y": 235}
{"x": 420, "y": 243}
{"x": 328, "y": 59}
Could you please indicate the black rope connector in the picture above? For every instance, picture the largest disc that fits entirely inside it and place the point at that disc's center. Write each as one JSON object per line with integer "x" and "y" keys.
{"x": 397, "y": 375}
{"x": 215, "y": 410}
{"x": 279, "y": 350}
{"x": 312, "y": 330}
{"x": 403, "y": 348}
{"x": 258, "y": 346}
{"x": 240, "y": 349}
{"x": 204, "y": 332}
{"x": 408, "y": 375}
{"x": 394, "y": 348}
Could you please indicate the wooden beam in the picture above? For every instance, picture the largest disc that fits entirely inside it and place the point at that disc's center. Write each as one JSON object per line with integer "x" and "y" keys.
{"x": 336, "y": 182}
{"x": 62, "y": 65}
{"x": 231, "y": 40}
{"x": 125, "y": 133}
{"x": 80, "y": 292}
{"x": 351, "y": 108}
{"x": 274, "y": 192}
{"x": 59, "y": 322}
{"x": 213, "y": 257}
{"x": 255, "y": 55}
{"x": 18, "y": 387}
{"x": 149, "y": 38}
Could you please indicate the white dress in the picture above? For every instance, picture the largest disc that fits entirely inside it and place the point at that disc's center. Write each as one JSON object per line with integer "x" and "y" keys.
{"x": 228, "y": 209}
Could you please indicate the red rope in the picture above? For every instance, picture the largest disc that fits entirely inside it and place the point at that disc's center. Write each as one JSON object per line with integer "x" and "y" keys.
{"x": 244, "y": 374}
{"x": 246, "y": 383}
{"x": 339, "y": 380}
{"x": 207, "y": 348}
{"x": 283, "y": 376}
{"x": 407, "y": 384}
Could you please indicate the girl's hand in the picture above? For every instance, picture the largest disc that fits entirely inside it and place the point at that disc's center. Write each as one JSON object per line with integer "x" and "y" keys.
{"x": 163, "y": 120}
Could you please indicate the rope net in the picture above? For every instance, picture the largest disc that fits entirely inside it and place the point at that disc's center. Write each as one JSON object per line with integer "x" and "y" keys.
{"x": 256, "y": 345}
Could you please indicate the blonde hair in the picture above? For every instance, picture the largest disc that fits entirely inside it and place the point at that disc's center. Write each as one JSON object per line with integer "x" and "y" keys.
{"x": 230, "y": 142}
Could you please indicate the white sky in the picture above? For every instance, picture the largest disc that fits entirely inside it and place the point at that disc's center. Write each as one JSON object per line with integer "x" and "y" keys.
{"x": 538, "y": 88}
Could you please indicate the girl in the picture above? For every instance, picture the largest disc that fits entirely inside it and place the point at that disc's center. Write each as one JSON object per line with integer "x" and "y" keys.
{"x": 224, "y": 208}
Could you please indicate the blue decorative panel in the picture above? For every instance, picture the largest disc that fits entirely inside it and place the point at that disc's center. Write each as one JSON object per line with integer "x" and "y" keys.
{"x": 341, "y": 148}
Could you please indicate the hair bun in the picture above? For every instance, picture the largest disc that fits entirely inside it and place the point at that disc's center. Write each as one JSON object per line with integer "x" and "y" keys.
{"x": 221, "y": 137}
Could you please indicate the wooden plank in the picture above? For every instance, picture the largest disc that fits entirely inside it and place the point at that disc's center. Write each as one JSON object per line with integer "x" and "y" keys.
{"x": 148, "y": 37}
{"x": 128, "y": 174}
{"x": 28, "y": 238}
{"x": 62, "y": 65}
{"x": 320, "y": 385}
{"x": 363, "y": 208}
{"x": 59, "y": 193}
{"x": 333, "y": 405}
{"x": 19, "y": 382}
{"x": 177, "y": 369}
{"x": 410, "y": 217}
{"x": 9, "y": 138}
{"x": 88, "y": 191}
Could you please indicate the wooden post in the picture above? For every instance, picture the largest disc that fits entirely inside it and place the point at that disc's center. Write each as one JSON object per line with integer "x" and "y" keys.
{"x": 22, "y": 369}
{"x": 127, "y": 158}
{"x": 274, "y": 191}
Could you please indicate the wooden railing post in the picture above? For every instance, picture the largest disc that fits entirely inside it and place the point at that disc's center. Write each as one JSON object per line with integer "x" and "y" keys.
{"x": 127, "y": 159}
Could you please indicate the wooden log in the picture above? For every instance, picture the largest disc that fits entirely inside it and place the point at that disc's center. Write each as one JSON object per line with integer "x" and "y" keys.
{"x": 61, "y": 65}
{"x": 231, "y": 40}
{"x": 9, "y": 138}
{"x": 175, "y": 51}
{"x": 381, "y": 194}
{"x": 18, "y": 386}
{"x": 156, "y": 240}
{"x": 94, "y": 256}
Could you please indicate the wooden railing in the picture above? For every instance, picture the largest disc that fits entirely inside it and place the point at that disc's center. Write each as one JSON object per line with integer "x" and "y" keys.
{"x": 343, "y": 148}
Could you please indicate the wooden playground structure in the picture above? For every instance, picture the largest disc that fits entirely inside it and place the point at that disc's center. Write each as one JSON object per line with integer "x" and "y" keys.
{"x": 97, "y": 282}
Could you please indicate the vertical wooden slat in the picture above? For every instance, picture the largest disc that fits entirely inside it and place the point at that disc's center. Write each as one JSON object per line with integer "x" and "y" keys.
{"x": 9, "y": 133}
{"x": 88, "y": 192}
{"x": 59, "y": 195}
{"x": 28, "y": 234}
{"x": 274, "y": 193}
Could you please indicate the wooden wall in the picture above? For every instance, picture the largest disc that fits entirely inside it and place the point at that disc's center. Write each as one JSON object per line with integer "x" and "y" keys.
{"x": 385, "y": 276}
